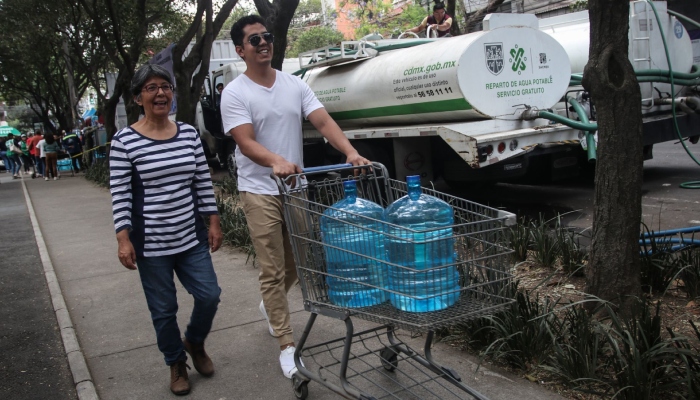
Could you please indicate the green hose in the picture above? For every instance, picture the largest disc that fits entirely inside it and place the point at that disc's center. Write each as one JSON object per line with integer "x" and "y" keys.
{"x": 592, "y": 127}
{"x": 684, "y": 18}
{"x": 590, "y": 140}
{"x": 684, "y": 185}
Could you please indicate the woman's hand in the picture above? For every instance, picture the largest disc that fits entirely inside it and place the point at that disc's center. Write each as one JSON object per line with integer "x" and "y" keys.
{"x": 215, "y": 235}
{"x": 126, "y": 252}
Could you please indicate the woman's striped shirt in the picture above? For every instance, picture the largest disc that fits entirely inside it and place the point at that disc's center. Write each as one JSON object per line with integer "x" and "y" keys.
{"x": 160, "y": 189}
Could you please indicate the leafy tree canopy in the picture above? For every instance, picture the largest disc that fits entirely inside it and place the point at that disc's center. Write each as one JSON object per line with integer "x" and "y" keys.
{"x": 314, "y": 38}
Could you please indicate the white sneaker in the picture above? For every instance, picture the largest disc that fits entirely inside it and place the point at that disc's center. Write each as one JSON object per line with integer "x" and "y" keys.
{"x": 264, "y": 313}
{"x": 287, "y": 362}
{"x": 46, "y": 179}
{"x": 54, "y": 178}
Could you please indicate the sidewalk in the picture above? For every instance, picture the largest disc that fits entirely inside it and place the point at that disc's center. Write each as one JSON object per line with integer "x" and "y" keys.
{"x": 112, "y": 322}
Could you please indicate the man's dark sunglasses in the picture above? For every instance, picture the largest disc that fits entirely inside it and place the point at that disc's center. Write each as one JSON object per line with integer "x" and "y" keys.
{"x": 254, "y": 40}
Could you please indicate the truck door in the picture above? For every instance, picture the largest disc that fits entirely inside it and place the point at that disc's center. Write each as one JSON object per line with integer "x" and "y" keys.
{"x": 211, "y": 105}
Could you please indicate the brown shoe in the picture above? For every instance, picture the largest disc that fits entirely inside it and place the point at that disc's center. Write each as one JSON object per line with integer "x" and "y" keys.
{"x": 179, "y": 381}
{"x": 201, "y": 361}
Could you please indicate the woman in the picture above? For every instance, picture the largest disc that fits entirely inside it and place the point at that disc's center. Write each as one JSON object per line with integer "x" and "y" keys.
{"x": 51, "y": 149}
{"x": 13, "y": 155}
{"x": 161, "y": 190}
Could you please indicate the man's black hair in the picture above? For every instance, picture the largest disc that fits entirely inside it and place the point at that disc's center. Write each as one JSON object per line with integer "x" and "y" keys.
{"x": 237, "y": 28}
{"x": 438, "y": 6}
{"x": 219, "y": 84}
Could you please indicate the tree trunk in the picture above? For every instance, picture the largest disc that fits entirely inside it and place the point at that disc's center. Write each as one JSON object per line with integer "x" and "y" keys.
{"x": 188, "y": 83}
{"x": 450, "y": 8}
{"x": 278, "y": 16}
{"x": 478, "y": 16}
{"x": 614, "y": 268}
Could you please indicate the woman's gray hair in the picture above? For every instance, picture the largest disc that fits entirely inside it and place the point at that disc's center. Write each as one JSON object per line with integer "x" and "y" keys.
{"x": 145, "y": 73}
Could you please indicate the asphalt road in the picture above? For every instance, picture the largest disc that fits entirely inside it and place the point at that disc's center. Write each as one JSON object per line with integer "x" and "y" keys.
{"x": 664, "y": 204}
{"x": 33, "y": 363}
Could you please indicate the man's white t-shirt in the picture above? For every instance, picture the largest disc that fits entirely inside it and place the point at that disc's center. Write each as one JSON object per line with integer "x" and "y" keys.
{"x": 40, "y": 146}
{"x": 276, "y": 114}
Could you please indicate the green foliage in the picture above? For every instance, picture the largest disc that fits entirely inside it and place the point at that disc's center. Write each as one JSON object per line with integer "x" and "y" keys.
{"x": 544, "y": 243}
{"x": 579, "y": 5}
{"x": 389, "y": 25}
{"x": 521, "y": 335}
{"x": 315, "y": 38}
{"x": 689, "y": 264}
{"x": 577, "y": 352}
{"x": 572, "y": 255}
{"x": 238, "y": 12}
{"x": 233, "y": 222}
{"x": 518, "y": 239}
{"x": 99, "y": 173}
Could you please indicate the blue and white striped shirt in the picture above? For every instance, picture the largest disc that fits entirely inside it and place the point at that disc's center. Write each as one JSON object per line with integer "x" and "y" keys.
{"x": 160, "y": 189}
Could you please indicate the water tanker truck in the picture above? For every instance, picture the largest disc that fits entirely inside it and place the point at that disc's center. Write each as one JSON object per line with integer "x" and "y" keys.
{"x": 498, "y": 105}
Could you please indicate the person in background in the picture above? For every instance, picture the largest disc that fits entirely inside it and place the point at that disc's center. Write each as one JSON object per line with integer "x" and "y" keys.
{"x": 35, "y": 153}
{"x": 72, "y": 146}
{"x": 161, "y": 192}
{"x": 440, "y": 22}
{"x": 263, "y": 109}
{"x": 51, "y": 149}
{"x": 9, "y": 165}
{"x": 42, "y": 156}
{"x": 25, "y": 157}
{"x": 12, "y": 154}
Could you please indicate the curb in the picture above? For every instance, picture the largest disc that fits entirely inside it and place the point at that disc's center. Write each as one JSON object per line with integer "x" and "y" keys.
{"x": 76, "y": 360}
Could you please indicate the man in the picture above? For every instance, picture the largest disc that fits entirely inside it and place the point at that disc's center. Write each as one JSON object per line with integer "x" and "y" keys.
{"x": 219, "y": 89}
{"x": 35, "y": 152}
{"x": 72, "y": 145}
{"x": 263, "y": 109}
{"x": 440, "y": 22}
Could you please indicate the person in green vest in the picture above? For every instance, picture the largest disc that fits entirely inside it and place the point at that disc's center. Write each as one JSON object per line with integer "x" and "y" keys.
{"x": 25, "y": 157}
{"x": 72, "y": 145}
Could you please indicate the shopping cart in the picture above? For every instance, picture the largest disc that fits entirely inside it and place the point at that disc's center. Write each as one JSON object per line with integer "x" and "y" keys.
{"x": 375, "y": 363}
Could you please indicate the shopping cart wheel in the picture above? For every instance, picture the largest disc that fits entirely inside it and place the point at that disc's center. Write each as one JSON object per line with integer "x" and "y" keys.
{"x": 300, "y": 386}
{"x": 390, "y": 358}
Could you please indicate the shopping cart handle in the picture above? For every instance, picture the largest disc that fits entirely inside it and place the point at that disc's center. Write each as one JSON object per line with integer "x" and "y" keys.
{"x": 325, "y": 168}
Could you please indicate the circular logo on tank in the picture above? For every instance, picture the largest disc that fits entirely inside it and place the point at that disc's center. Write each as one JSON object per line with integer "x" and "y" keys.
{"x": 678, "y": 29}
{"x": 509, "y": 69}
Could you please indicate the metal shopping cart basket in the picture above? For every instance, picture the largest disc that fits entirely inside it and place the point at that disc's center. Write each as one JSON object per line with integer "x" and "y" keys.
{"x": 375, "y": 363}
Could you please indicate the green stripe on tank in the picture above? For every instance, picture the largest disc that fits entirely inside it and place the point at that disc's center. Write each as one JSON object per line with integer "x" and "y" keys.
{"x": 404, "y": 109}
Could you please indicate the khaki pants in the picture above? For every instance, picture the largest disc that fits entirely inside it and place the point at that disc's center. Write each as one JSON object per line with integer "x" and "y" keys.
{"x": 268, "y": 231}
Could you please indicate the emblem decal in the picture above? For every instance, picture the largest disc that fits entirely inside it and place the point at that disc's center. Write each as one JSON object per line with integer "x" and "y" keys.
{"x": 494, "y": 57}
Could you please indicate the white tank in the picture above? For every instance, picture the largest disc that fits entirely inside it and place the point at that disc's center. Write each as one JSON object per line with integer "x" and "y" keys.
{"x": 646, "y": 48}
{"x": 495, "y": 73}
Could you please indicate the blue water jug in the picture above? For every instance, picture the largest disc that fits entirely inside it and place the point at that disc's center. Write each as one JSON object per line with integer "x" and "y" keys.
{"x": 419, "y": 236}
{"x": 354, "y": 227}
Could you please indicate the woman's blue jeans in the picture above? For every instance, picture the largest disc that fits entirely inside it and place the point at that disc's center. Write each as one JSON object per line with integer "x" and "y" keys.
{"x": 195, "y": 271}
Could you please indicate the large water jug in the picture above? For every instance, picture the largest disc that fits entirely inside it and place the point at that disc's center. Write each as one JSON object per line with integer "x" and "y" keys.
{"x": 354, "y": 227}
{"x": 419, "y": 236}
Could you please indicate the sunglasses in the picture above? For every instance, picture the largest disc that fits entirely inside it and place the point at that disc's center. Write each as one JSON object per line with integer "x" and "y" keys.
{"x": 254, "y": 40}
{"x": 153, "y": 88}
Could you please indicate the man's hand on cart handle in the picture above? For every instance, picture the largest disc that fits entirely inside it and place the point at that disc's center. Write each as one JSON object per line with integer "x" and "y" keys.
{"x": 283, "y": 168}
{"x": 356, "y": 159}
